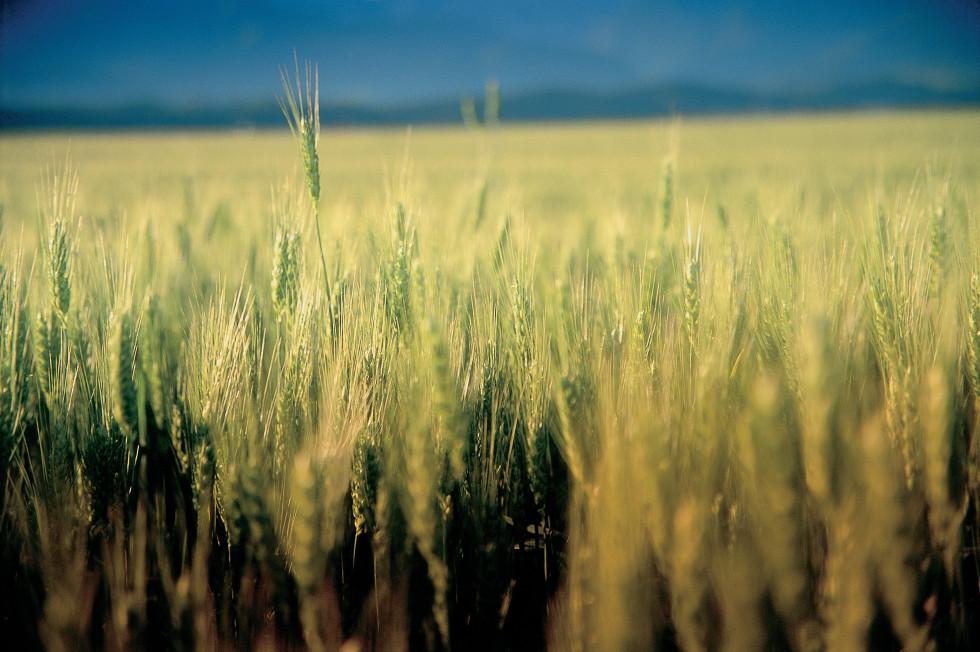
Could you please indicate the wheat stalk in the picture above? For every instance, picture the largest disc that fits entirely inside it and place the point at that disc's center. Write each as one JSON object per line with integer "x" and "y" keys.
{"x": 302, "y": 111}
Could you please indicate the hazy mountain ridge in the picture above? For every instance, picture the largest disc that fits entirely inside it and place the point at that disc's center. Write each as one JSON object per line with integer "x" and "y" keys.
{"x": 650, "y": 101}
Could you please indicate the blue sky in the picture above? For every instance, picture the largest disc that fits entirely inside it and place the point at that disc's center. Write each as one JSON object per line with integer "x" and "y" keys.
{"x": 92, "y": 53}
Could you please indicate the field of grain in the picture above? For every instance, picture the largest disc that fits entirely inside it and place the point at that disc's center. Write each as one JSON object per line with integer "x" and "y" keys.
{"x": 691, "y": 384}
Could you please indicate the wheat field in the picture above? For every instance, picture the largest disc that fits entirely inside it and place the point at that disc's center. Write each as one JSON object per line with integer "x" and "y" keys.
{"x": 686, "y": 384}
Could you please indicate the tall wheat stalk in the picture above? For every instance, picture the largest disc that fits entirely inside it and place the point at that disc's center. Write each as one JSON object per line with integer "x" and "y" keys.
{"x": 302, "y": 110}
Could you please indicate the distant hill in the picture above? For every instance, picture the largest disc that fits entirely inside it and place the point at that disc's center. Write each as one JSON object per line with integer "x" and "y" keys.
{"x": 652, "y": 101}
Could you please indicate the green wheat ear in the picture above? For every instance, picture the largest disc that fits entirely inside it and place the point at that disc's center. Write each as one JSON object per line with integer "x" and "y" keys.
{"x": 302, "y": 111}
{"x": 43, "y": 355}
{"x": 123, "y": 360}
{"x": 285, "y": 273}
{"x": 445, "y": 403}
{"x": 523, "y": 314}
{"x": 973, "y": 341}
{"x": 59, "y": 268}
{"x": 14, "y": 351}
{"x": 692, "y": 292}
{"x": 58, "y": 250}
